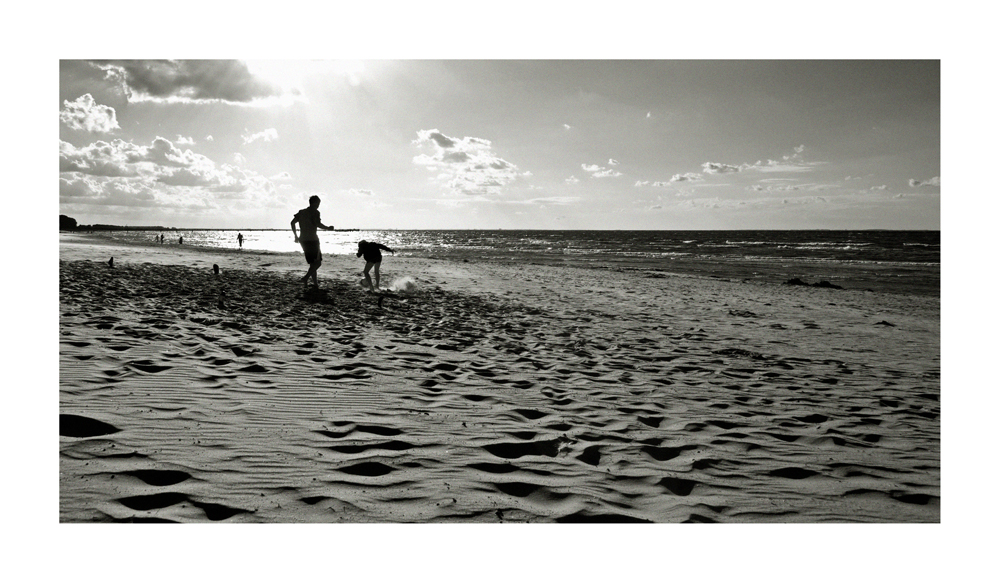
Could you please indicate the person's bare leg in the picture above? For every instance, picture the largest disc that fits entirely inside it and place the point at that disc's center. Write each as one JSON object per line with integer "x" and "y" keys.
{"x": 368, "y": 278}
{"x": 376, "y": 275}
{"x": 313, "y": 267}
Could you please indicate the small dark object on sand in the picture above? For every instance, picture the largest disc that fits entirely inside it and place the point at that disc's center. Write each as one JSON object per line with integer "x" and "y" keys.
{"x": 111, "y": 263}
{"x": 215, "y": 268}
{"x": 884, "y": 323}
{"x": 826, "y": 284}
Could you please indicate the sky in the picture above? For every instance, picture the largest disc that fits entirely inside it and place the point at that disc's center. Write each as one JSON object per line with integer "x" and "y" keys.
{"x": 498, "y": 143}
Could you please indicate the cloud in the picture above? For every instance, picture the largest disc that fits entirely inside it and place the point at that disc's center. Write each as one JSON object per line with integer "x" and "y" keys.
{"x": 777, "y": 166}
{"x": 936, "y": 181}
{"x": 268, "y": 135}
{"x": 281, "y": 177}
{"x": 600, "y": 172}
{"x": 361, "y": 192}
{"x": 114, "y": 77}
{"x": 78, "y": 187}
{"x": 718, "y": 168}
{"x": 780, "y": 185}
{"x": 183, "y": 141}
{"x": 557, "y": 200}
{"x": 112, "y": 192}
{"x": 567, "y": 126}
{"x": 126, "y": 174}
{"x": 163, "y": 151}
{"x": 121, "y": 158}
{"x": 466, "y": 165}
{"x": 720, "y": 203}
{"x": 789, "y": 163}
{"x": 572, "y": 180}
{"x": 101, "y": 158}
{"x": 188, "y": 177}
{"x": 775, "y": 188}
{"x": 612, "y": 162}
{"x": 87, "y": 115}
{"x": 189, "y": 81}
{"x": 688, "y": 177}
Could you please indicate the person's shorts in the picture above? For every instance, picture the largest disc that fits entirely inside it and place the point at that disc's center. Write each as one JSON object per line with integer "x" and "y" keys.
{"x": 311, "y": 249}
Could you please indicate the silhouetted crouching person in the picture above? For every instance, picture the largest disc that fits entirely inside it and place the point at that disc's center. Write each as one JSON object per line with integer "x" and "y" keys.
{"x": 308, "y": 220}
{"x": 373, "y": 258}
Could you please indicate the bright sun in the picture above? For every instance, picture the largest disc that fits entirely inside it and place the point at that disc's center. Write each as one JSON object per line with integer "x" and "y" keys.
{"x": 291, "y": 75}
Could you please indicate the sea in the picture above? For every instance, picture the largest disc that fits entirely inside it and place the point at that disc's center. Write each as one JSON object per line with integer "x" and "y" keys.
{"x": 904, "y": 262}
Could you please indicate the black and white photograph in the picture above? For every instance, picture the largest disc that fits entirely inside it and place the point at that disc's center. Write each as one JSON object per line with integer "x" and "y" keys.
{"x": 501, "y": 300}
{"x": 566, "y": 291}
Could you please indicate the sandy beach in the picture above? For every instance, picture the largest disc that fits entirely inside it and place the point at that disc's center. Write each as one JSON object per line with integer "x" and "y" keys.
{"x": 486, "y": 393}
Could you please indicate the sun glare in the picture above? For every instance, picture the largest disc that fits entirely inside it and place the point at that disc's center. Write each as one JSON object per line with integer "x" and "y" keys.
{"x": 292, "y": 75}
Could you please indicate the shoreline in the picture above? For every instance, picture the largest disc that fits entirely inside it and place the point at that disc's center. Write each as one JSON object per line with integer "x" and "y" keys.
{"x": 486, "y": 392}
{"x": 902, "y": 278}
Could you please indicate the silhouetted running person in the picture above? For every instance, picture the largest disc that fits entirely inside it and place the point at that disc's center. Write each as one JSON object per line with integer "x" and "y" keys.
{"x": 373, "y": 258}
{"x": 308, "y": 220}
{"x": 239, "y": 238}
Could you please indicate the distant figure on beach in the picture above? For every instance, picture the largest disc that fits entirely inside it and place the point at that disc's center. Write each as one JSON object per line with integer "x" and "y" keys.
{"x": 180, "y": 240}
{"x": 239, "y": 238}
{"x": 373, "y": 258}
{"x": 111, "y": 263}
{"x": 308, "y": 220}
{"x": 161, "y": 238}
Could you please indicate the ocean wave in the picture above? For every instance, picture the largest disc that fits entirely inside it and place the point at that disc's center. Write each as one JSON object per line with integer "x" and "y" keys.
{"x": 878, "y": 247}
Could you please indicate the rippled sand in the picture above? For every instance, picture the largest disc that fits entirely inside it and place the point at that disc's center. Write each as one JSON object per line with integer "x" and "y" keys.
{"x": 486, "y": 393}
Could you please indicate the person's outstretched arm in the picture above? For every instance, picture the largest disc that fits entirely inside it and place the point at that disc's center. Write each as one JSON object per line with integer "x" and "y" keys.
{"x": 319, "y": 223}
{"x": 294, "y": 232}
